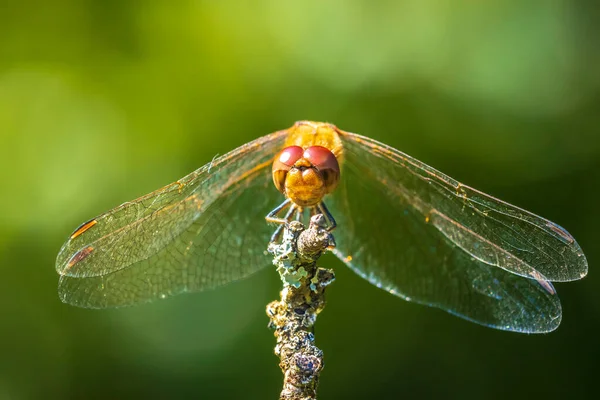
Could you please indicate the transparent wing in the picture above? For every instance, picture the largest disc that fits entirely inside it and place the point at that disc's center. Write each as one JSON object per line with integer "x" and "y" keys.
{"x": 421, "y": 235}
{"x": 205, "y": 230}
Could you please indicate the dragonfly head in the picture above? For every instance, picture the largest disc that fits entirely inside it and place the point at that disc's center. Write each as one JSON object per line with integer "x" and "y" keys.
{"x": 306, "y": 175}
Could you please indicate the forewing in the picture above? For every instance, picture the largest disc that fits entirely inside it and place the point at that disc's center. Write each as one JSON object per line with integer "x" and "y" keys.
{"x": 489, "y": 229}
{"x": 419, "y": 234}
{"x": 205, "y": 230}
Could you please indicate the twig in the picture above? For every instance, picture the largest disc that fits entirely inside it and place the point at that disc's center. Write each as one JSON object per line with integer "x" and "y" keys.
{"x": 302, "y": 298}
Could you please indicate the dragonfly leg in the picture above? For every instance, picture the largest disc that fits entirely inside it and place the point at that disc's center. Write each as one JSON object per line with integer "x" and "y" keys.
{"x": 272, "y": 216}
{"x": 277, "y": 234}
{"x": 322, "y": 208}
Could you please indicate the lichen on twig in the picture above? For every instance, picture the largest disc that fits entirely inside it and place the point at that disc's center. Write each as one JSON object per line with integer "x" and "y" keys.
{"x": 302, "y": 298}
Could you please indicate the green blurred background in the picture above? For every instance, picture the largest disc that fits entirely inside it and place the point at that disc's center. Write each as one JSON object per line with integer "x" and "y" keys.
{"x": 102, "y": 101}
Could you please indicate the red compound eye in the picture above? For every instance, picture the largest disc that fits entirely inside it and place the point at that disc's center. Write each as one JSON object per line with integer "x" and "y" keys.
{"x": 288, "y": 156}
{"x": 321, "y": 157}
{"x": 282, "y": 164}
{"x": 326, "y": 163}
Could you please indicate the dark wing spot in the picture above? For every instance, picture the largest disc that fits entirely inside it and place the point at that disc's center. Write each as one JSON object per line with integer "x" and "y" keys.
{"x": 80, "y": 256}
{"x": 83, "y": 227}
{"x": 561, "y": 232}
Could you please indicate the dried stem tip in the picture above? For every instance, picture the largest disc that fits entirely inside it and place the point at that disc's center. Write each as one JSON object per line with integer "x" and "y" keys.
{"x": 302, "y": 298}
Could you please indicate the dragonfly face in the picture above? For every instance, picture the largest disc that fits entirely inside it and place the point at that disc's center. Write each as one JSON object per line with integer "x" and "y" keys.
{"x": 403, "y": 226}
{"x": 305, "y": 176}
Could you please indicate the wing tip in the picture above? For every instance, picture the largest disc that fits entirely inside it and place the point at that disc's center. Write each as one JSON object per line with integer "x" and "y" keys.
{"x": 574, "y": 269}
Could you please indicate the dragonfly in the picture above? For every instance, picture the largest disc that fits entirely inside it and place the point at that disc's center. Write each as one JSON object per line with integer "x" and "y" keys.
{"x": 400, "y": 224}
